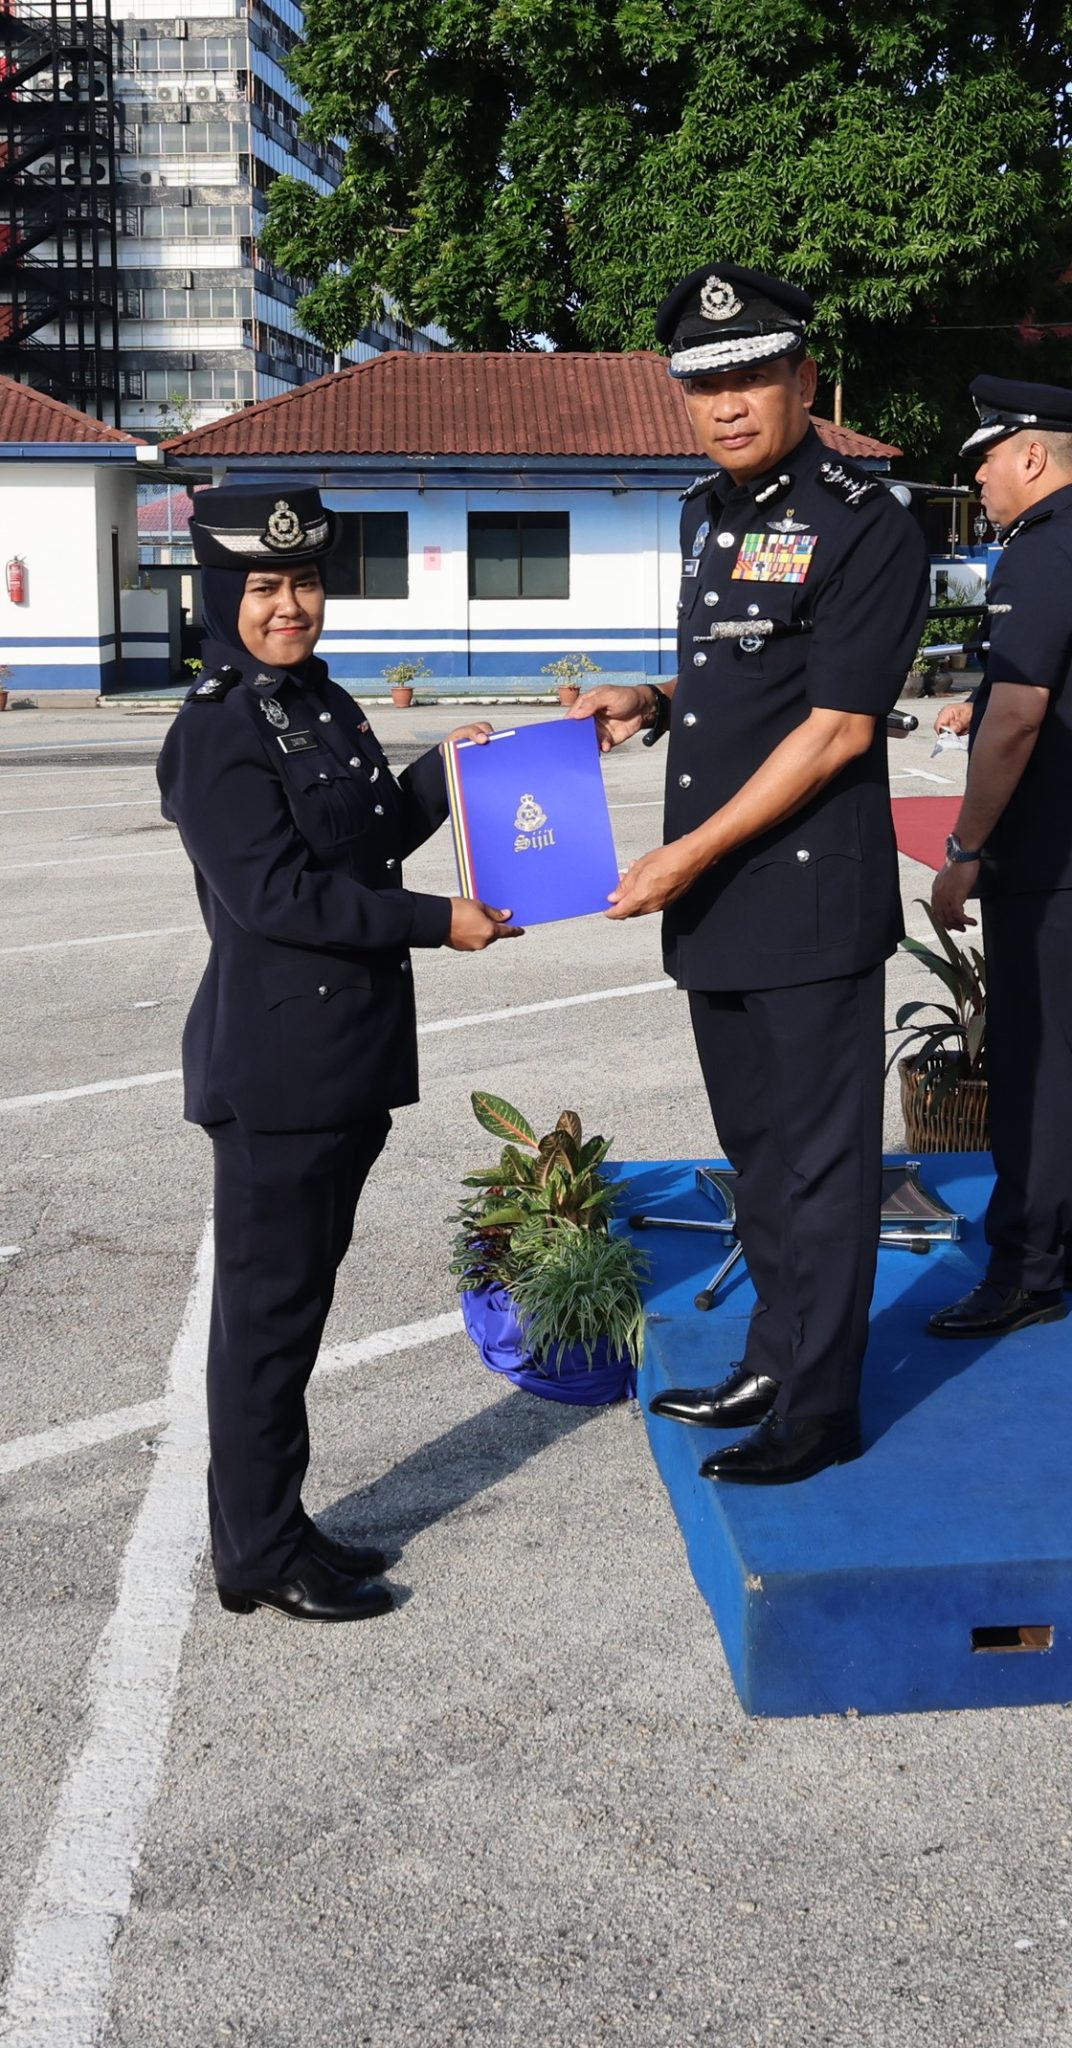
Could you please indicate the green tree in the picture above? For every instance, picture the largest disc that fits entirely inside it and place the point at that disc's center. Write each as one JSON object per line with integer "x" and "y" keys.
{"x": 547, "y": 168}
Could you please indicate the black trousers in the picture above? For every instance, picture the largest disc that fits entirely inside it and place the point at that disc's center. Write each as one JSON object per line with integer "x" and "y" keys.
{"x": 794, "y": 1077}
{"x": 1028, "y": 942}
{"x": 285, "y": 1203}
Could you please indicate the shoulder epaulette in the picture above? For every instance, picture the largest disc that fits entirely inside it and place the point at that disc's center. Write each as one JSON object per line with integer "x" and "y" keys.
{"x": 702, "y": 483}
{"x": 213, "y": 688}
{"x": 853, "y": 488}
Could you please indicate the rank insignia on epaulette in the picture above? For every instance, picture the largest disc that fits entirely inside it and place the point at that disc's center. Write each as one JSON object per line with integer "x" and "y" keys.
{"x": 211, "y": 688}
{"x": 854, "y": 489}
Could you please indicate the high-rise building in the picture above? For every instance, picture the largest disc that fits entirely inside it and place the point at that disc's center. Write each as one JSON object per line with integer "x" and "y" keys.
{"x": 136, "y": 152}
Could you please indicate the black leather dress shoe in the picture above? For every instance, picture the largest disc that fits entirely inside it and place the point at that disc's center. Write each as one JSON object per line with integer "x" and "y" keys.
{"x": 353, "y": 1560}
{"x": 780, "y": 1451}
{"x": 313, "y": 1592}
{"x": 741, "y": 1399}
{"x": 991, "y": 1310}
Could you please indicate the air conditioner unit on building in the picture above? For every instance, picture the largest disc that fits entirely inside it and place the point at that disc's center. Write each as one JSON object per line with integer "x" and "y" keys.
{"x": 145, "y": 178}
{"x": 204, "y": 92}
{"x": 166, "y": 92}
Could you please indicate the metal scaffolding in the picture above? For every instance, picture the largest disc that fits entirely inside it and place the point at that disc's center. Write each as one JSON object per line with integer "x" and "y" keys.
{"x": 59, "y": 202}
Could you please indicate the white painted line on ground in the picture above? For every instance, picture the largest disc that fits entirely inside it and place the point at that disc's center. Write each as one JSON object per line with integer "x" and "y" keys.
{"x": 90, "y": 1088}
{"x": 130, "y": 803}
{"x": 10, "y": 1251}
{"x": 161, "y": 931}
{"x": 69, "y": 747}
{"x": 650, "y": 803}
{"x": 918, "y": 775}
{"x": 80, "y": 1436}
{"x": 385, "y": 1342}
{"x": 91, "y": 1430}
{"x": 83, "y": 860}
{"x": 599, "y": 995}
{"x": 57, "y": 1992}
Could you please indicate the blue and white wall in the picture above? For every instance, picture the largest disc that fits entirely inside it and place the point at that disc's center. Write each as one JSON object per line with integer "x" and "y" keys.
{"x": 59, "y": 518}
{"x": 621, "y": 610}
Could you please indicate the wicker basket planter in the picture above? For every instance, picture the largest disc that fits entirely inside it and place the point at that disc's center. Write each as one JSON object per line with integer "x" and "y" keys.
{"x": 958, "y": 1122}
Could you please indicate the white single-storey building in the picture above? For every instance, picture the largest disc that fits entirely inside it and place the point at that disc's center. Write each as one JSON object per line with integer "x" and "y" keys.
{"x": 71, "y": 613}
{"x": 498, "y": 511}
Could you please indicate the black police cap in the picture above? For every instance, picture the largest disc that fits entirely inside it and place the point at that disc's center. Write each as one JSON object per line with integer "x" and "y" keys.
{"x": 264, "y": 529}
{"x": 1008, "y": 405}
{"x": 721, "y": 316}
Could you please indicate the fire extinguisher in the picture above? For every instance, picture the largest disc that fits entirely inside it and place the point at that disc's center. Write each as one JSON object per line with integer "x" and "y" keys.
{"x": 15, "y": 574}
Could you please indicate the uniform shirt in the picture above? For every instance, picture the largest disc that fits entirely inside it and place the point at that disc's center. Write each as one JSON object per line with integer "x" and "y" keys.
{"x": 1030, "y": 847}
{"x": 821, "y": 545}
{"x": 304, "y": 1018}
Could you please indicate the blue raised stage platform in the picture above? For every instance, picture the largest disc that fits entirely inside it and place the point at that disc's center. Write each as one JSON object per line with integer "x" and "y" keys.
{"x": 936, "y": 1571}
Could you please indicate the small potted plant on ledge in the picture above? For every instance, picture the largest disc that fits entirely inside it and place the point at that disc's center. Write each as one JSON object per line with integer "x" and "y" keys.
{"x": 567, "y": 674}
{"x": 402, "y": 675}
{"x": 549, "y": 1295}
{"x": 944, "y": 1092}
{"x": 5, "y": 678}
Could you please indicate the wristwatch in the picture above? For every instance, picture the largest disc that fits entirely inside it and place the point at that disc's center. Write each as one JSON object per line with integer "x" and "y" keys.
{"x": 657, "y": 720}
{"x": 957, "y": 853}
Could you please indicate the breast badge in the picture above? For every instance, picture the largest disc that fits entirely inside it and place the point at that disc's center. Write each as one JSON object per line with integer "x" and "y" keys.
{"x": 275, "y": 713}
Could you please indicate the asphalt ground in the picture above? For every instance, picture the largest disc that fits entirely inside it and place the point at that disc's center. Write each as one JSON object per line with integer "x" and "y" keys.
{"x": 526, "y": 1806}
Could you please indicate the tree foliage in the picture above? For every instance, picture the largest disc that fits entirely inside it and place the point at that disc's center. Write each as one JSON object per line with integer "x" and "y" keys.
{"x": 527, "y": 170}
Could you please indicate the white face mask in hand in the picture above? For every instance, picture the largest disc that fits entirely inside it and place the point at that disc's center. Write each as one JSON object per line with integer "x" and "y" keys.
{"x": 946, "y": 739}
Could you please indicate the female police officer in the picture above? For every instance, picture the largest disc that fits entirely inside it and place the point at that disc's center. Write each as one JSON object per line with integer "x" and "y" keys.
{"x": 302, "y": 1034}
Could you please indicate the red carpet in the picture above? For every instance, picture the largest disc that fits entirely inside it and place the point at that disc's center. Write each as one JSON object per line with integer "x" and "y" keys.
{"x": 923, "y": 824}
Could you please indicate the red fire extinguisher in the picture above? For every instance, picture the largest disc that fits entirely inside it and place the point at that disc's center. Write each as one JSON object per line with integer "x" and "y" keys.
{"x": 15, "y": 574}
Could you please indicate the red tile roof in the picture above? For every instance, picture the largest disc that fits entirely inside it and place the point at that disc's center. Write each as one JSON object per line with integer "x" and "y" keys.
{"x": 443, "y": 405}
{"x": 28, "y": 415}
{"x": 154, "y": 517}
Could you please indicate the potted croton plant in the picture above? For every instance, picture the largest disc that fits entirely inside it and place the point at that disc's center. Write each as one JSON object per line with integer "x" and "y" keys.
{"x": 550, "y": 1294}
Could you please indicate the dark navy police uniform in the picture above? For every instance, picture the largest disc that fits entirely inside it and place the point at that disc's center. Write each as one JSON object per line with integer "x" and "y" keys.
{"x": 300, "y": 1041}
{"x": 1025, "y": 889}
{"x": 782, "y": 945}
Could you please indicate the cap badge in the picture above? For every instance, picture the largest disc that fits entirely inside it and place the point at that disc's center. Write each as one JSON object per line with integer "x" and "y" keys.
{"x": 275, "y": 714}
{"x": 718, "y": 300}
{"x": 284, "y": 529}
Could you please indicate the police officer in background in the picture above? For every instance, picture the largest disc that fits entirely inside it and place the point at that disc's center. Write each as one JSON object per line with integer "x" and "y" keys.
{"x": 302, "y": 1035}
{"x": 803, "y": 589}
{"x": 1013, "y": 848}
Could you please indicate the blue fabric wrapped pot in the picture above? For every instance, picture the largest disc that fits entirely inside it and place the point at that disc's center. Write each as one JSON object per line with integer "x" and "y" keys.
{"x": 566, "y": 1375}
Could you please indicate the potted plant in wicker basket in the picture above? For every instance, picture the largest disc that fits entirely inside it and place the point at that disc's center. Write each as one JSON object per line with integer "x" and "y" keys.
{"x": 943, "y": 1081}
{"x": 550, "y": 1294}
{"x": 567, "y": 673}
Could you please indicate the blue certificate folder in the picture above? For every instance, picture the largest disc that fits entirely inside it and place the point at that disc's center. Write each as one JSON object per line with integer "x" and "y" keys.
{"x": 532, "y": 831}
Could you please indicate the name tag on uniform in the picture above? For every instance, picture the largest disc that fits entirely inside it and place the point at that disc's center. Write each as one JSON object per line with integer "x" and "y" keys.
{"x": 297, "y": 742}
{"x": 774, "y": 557}
{"x": 691, "y": 567}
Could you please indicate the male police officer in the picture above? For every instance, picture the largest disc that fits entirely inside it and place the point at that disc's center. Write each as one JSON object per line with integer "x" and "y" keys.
{"x": 1013, "y": 846}
{"x": 803, "y": 588}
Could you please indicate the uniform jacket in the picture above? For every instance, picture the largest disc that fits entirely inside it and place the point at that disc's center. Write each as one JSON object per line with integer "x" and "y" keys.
{"x": 1030, "y": 848}
{"x": 820, "y": 545}
{"x": 304, "y": 1018}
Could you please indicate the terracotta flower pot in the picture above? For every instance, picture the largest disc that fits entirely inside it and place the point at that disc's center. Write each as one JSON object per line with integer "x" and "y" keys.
{"x": 568, "y": 693}
{"x": 958, "y": 1122}
{"x": 402, "y": 695}
{"x": 4, "y": 694}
